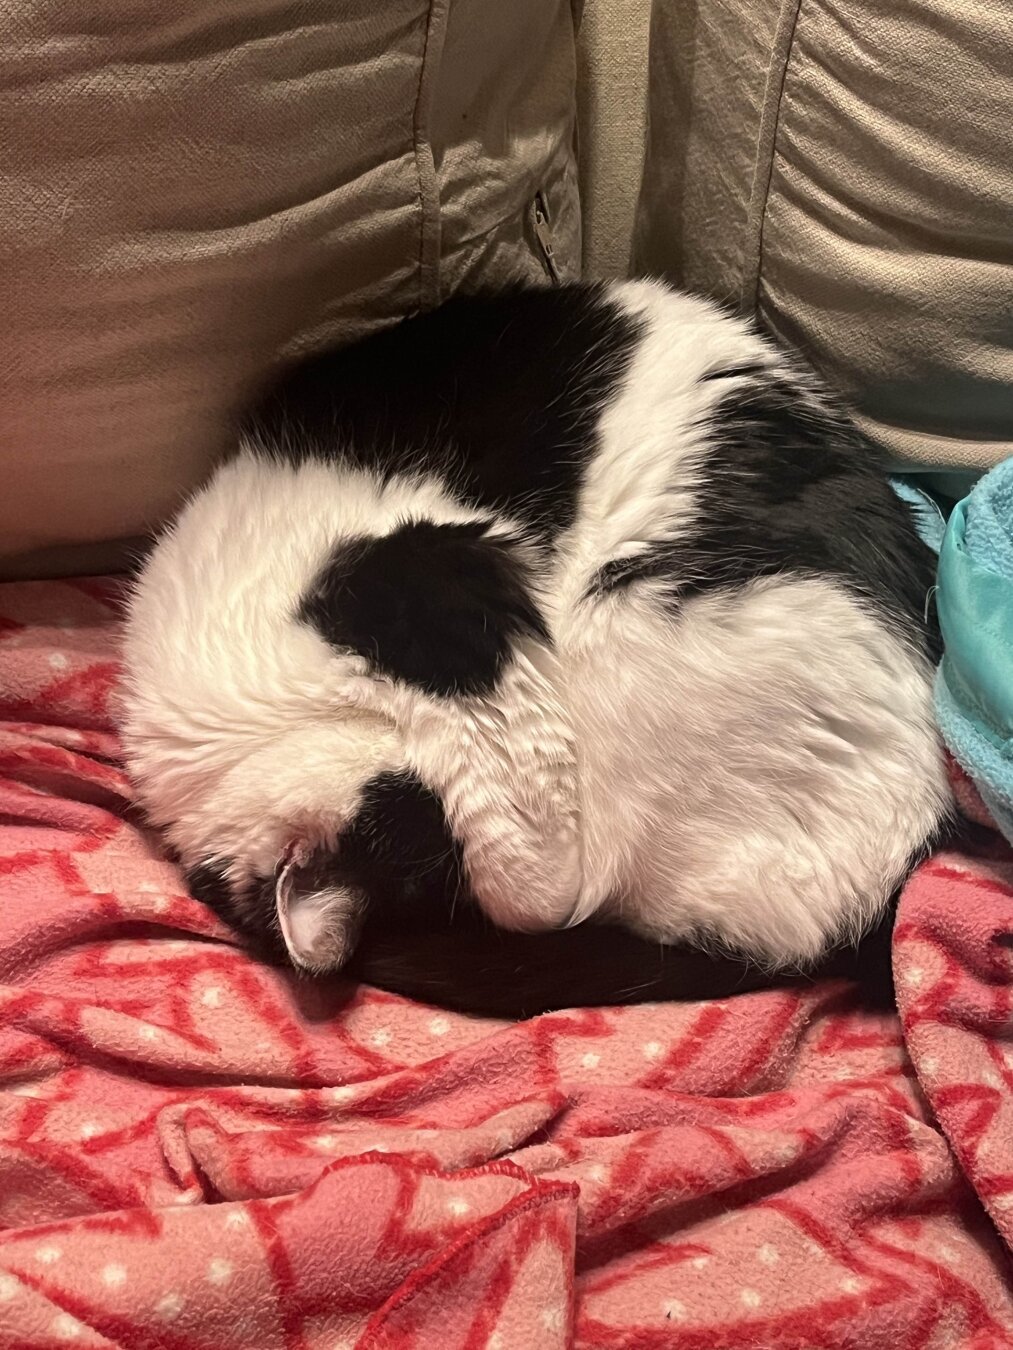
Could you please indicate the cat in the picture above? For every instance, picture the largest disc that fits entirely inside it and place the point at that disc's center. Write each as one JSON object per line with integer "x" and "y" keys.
{"x": 566, "y": 605}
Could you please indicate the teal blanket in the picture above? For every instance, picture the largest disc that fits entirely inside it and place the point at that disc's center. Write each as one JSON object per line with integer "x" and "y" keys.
{"x": 974, "y": 685}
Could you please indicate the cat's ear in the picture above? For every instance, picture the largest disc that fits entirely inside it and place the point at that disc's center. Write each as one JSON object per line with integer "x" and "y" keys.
{"x": 319, "y": 922}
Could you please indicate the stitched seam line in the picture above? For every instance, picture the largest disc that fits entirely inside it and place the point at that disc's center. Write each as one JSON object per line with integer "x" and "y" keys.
{"x": 766, "y": 144}
{"x": 425, "y": 164}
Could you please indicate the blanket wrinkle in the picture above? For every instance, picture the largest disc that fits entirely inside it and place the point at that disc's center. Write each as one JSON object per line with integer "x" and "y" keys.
{"x": 197, "y": 1151}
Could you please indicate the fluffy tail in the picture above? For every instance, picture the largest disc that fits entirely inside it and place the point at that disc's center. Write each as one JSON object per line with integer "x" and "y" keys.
{"x": 468, "y": 966}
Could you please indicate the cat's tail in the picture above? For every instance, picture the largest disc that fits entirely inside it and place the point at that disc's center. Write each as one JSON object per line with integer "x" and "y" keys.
{"x": 468, "y": 966}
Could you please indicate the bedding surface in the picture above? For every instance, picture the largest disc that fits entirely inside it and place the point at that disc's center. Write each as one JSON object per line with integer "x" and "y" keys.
{"x": 197, "y": 1151}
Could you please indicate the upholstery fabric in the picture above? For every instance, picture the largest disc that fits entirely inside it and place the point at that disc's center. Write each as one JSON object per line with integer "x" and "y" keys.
{"x": 189, "y": 193}
{"x": 842, "y": 169}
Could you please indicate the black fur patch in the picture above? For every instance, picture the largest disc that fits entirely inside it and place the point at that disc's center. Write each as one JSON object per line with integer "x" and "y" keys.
{"x": 734, "y": 372}
{"x": 436, "y": 606}
{"x": 399, "y": 851}
{"x": 207, "y": 883}
{"x": 791, "y": 487}
{"x": 250, "y": 913}
{"x": 499, "y": 393}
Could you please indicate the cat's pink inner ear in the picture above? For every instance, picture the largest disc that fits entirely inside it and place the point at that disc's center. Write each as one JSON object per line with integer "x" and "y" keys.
{"x": 319, "y": 924}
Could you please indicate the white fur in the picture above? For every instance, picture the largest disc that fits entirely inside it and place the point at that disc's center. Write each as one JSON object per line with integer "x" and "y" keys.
{"x": 757, "y": 770}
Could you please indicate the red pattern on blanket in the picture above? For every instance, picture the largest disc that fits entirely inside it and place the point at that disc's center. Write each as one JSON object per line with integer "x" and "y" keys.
{"x": 195, "y": 1151}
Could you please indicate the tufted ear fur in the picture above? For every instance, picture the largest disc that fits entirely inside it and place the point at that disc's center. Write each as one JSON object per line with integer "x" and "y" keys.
{"x": 319, "y": 920}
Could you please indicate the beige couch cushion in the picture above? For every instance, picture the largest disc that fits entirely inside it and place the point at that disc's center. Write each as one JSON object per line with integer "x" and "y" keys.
{"x": 190, "y": 191}
{"x": 845, "y": 170}
{"x": 611, "y": 114}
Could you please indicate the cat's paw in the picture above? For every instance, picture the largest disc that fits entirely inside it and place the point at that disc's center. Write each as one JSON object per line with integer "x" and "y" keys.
{"x": 527, "y": 884}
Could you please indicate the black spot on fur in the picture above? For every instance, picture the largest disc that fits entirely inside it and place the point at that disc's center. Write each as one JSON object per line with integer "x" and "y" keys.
{"x": 207, "y": 883}
{"x": 790, "y": 487}
{"x": 250, "y": 913}
{"x": 437, "y": 606}
{"x": 500, "y": 394}
{"x": 734, "y": 372}
{"x": 398, "y": 853}
{"x": 399, "y": 850}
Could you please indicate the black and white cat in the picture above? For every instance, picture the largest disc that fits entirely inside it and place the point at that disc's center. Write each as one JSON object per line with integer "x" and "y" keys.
{"x": 584, "y": 602}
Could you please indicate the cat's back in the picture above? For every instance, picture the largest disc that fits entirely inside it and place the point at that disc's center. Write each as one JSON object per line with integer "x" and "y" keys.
{"x": 504, "y": 393}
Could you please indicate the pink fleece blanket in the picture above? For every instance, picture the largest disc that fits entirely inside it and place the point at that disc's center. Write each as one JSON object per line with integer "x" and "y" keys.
{"x": 193, "y": 1156}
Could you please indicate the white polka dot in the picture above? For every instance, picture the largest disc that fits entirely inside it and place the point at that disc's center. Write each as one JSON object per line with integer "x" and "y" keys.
{"x": 991, "y": 1079}
{"x": 914, "y": 977}
{"x": 66, "y": 1327}
{"x": 768, "y": 1255}
{"x": 219, "y": 1270}
{"x": 750, "y": 1298}
{"x": 58, "y": 661}
{"x": 115, "y": 1276}
{"x": 26, "y": 1090}
{"x": 653, "y": 1050}
{"x": 598, "y": 1172}
{"x": 949, "y": 1254}
{"x": 176, "y": 946}
{"x": 786, "y": 1152}
{"x": 148, "y": 1032}
{"x": 325, "y": 1141}
{"x": 699, "y": 1262}
{"x": 160, "y": 904}
{"x": 89, "y": 1129}
{"x": 554, "y": 1319}
{"x": 495, "y": 1341}
{"x": 458, "y": 1206}
{"x": 212, "y": 997}
{"x": 237, "y": 1218}
{"x": 380, "y": 1037}
{"x": 814, "y": 1248}
{"x": 439, "y": 1026}
{"x": 338, "y": 1095}
{"x": 169, "y": 1307}
{"x": 590, "y": 1060}
{"x": 930, "y": 1065}
{"x": 851, "y": 1285}
{"x": 47, "y": 1255}
{"x": 9, "y": 1287}
{"x": 147, "y": 887}
{"x": 674, "y": 1310}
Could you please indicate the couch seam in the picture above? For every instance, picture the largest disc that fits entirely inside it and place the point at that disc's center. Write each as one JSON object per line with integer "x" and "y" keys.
{"x": 766, "y": 151}
{"x": 425, "y": 163}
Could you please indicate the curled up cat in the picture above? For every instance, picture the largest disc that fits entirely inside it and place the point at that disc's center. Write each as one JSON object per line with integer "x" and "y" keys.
{"x": 564, "y": 606}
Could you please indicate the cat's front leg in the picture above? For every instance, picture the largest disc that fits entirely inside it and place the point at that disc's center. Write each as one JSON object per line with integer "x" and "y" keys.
{"x": 504, "y": 767}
